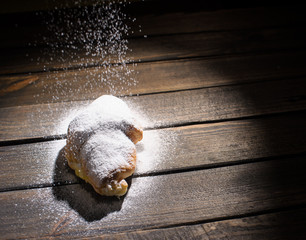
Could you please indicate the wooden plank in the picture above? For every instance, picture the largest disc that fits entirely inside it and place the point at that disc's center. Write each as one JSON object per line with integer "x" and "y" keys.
{"x": 165, "y": 109}
{"x": 21, "y": 29}
{"x": 33, "y": 165}
{"x": 87, "y": 83}
{"x": 204, "y": 145}
{"x": 285, "y": 225}
{"x": 24, "y": 60}
{"x": 152, "y": 202}
{"x": 280, "y": 225}
{"x": 185, "y": 21}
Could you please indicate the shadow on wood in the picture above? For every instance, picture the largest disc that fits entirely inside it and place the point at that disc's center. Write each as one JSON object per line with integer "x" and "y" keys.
{"x": 280, "y": 177}
{"x": 81, "y": 197}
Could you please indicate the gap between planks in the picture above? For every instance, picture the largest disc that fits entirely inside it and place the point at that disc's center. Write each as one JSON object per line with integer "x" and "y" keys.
{"x": 165, "y": 151}
{"x": 167, "y": 47}
{"x": 261, "y": 225}
{"x": 200, "y": 195}
{"x": 178, "y": 74}
{"x": 168, "y": 109}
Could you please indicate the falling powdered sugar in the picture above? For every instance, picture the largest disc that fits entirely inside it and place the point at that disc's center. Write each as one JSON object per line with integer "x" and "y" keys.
{"x": 95, "y": 36}
{"x": 83, "y": 53}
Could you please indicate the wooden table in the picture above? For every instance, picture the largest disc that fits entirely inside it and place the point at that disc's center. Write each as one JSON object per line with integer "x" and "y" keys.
{"x": 222, "y": 93}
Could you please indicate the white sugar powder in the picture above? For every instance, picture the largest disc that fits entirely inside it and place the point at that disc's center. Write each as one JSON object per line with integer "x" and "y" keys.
{"x": 156, "y": 151}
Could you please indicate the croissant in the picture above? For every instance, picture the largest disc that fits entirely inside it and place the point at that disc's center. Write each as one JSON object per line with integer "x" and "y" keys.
{"x": 100, "y": 145}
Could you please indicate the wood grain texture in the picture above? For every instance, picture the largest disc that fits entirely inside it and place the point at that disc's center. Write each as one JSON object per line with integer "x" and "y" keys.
{"x": 222, "y": 99}
{"x": 165, "y": 109}
{"x": 163, "y": 150}
{"x": 281, "y": 225}
{"x": 159, "y": 201}
{"x": 24, "y": 60}
{"x": 89, "y": 83}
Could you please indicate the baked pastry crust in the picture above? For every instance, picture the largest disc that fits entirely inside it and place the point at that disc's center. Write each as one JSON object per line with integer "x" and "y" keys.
{"x": 100, "y": 145}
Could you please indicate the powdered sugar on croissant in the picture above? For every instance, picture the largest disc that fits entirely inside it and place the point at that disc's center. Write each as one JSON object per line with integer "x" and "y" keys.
{"x": 101, "y": 145}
